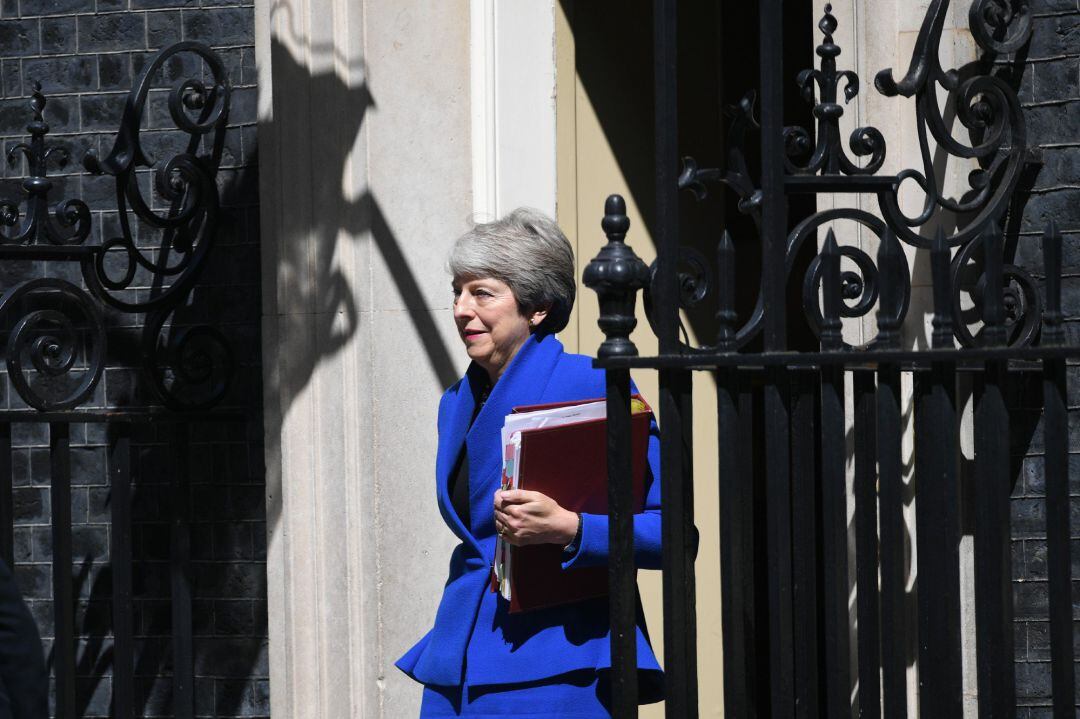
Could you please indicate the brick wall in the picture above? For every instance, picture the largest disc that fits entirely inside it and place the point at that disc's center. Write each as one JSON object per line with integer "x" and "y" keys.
{"x": 86, "y": 54}
{"x": 1049, "y": 91}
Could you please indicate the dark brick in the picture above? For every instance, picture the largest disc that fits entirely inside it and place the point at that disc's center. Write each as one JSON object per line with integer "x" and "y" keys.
{"x": 235, "y": 617}
{"x": 243, "y": 698}
{"x": 108, "y": 32}
{"x": 99, "y": 112}
{"x": 230, "y": 657}
{"x": 1054, "y": 35}
{"x": 30, "y": 504}
{"x": 19, "y": 37}
{"x": 67, "y": 74}
{"x": 1055, "y": 80}
{"x": 162, "y": 28}
{"x": 114, "y": 71}
{"x": 1032, "y": 680}
{"x": 1052, "y": 6}
{"x": 232, "y": 580}
{"x": 219, "y": 27}
{"x": 157, "y": 4}
{"x": 55, "y": 7}
{"x": 1051, "y": 124}
{"x": 9, "y": 8}
{"x": 58, "y": 35}
{"x": 24, "y": 547}
{"x": 250, "y": 72}
{"x": 11, "y": 77}
{"x": 34, "y": 580}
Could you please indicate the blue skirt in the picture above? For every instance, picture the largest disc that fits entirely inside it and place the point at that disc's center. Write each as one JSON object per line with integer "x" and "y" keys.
{"x": 576, "y": 695}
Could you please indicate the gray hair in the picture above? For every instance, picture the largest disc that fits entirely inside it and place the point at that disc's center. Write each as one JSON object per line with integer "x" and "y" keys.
{"x": 526, "y": 250}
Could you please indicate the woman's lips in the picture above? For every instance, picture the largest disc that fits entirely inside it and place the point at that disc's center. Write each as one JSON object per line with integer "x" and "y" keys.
{"x": 472, "y": 335}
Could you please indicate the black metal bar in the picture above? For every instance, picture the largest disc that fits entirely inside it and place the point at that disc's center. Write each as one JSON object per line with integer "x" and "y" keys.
{"x": 777, "y": 419}
{"x": 866, "y": 546}
{"x": 666, "y": 129}
{"x": 1056, "y": 471}
{"x": 180, "y": 579}
{"x": 855, "y": 359}
{"x": 936, "y": 521}
{"x": 735, "y": 438}
{"x": 622, "y": 587}
{"x": 680, "y": 625}
{"x": 834, "y": 494}
{"x": 7, "y": 504}
{"x": 993, "y": 575}
{"x": 63, "y": 592}
{"x": 893, "y": 575}
{"x": 889, "y": 425}
{"x": 120, "y": 559}
{"x": 805, "y": 542}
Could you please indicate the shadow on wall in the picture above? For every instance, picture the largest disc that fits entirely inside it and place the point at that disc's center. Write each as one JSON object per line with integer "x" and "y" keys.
{"x": 313, "y": 276}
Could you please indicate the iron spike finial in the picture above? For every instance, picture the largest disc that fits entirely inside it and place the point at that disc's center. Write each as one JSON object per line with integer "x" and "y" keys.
{"x": 1052, "y": 332}
{"x": 831, "y": 327}
{"x": 616, "y": 274}
{"x": 940, "y": 270}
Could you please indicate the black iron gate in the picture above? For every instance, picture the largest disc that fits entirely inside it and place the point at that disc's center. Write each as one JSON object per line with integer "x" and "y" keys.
{"x": 117, "y": 302}
{"x": 797, "y": 663}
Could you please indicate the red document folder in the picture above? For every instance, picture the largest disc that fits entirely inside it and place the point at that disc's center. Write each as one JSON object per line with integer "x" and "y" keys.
{"x": 569, "y": 464}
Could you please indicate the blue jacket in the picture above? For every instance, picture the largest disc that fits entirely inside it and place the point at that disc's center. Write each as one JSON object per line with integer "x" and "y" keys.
{"x": 475, "y": 640}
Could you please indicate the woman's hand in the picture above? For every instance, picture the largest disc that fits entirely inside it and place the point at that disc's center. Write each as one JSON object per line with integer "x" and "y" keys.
{"x": 523, "y": 517}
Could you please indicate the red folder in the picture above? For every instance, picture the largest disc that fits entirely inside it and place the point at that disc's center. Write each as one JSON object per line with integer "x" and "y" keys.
{"x": 569, "y": 464}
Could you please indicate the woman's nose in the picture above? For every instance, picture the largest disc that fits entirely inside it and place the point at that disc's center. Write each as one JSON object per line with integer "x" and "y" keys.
{"x": 462, "y": 307}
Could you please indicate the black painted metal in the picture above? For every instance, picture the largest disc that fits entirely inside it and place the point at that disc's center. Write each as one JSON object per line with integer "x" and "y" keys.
{"x": 616, "y": 275}
{"x": 7, "y": 506}
{"x": 56, "y": 343}
{"x": 795, "y": 659}
{"x": 936, "y": 521}
{"x": 889, "y": 425}
{"x": 804, "y": 528}
{"x": 1056, "y": 470}
{"x": 180, "y": 578}
{"x": 63, "y": 654}
{"x": 120, "y": 561}
{"x": 866, "y": 546}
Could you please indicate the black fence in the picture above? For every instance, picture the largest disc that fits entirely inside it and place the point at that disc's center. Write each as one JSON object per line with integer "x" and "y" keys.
{"x": 60, "y": 332}
{"x": 783, "y": 508}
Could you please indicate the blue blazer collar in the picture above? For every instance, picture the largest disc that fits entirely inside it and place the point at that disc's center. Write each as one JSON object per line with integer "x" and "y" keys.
{"x": 523, "y": 382}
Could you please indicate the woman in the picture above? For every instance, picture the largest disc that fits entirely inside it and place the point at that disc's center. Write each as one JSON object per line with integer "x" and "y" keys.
{"x": 513, "y": 283}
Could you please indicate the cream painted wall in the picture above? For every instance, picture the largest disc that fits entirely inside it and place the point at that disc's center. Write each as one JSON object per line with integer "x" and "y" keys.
{"x": 365, "y": 171}
{"x": 588, "y": 171}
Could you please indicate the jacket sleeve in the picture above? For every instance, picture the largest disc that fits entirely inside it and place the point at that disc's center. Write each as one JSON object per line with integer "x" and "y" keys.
{"x": 592, "y": 550}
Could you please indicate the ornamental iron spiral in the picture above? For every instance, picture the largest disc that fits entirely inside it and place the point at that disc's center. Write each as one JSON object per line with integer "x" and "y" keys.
{"x": 55, "y": 335}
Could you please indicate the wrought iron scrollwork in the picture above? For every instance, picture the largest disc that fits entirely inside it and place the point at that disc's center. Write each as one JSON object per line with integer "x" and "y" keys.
{"x": 70, "y": 221}
{"x": 55, "y": 332}
{"x": 55, "y": 349}
{"x": 987, "y": 109}
{"x": 185, "y": 181}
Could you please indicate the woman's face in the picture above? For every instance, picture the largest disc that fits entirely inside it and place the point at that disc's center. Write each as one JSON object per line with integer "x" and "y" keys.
{"x": 490, "y": 323}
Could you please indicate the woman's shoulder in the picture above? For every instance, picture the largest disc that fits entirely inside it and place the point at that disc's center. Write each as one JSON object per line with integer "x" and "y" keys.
{"x": 576, "y": 372}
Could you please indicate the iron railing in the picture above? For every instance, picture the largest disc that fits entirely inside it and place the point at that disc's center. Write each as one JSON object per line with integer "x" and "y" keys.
{"x": 802, "y": 395}
{"x": 56, "y": 343}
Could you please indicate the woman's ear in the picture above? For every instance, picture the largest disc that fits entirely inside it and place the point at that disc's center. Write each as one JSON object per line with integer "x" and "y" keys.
{"x": 537, "y": 317}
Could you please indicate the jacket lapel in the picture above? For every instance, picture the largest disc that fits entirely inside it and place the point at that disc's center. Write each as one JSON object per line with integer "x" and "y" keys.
{"x": 523, "y": 382}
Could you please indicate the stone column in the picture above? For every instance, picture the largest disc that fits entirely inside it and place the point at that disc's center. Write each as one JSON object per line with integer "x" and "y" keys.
{"x": 365, "y": 181}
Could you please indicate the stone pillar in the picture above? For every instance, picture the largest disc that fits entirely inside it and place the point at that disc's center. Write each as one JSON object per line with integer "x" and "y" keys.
{"x": 365, "y": 181}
